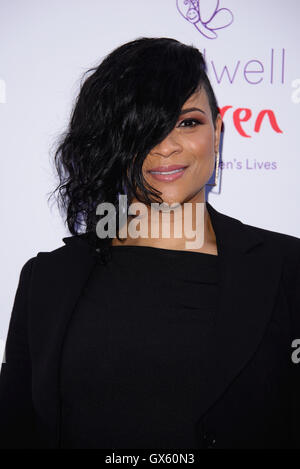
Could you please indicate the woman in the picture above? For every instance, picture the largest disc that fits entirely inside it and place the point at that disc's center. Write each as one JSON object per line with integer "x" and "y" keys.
{"x": 143, "y": 340}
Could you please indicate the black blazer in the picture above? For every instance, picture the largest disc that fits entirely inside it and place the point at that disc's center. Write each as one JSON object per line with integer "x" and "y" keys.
{"x": 251, "y": 391}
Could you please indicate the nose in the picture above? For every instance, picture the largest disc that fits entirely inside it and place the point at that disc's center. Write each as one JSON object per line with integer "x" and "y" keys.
{"x": 167, "y": 147}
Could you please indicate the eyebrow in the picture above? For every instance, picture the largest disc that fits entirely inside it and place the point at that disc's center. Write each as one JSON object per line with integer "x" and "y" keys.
{"x": 190, "y": 109}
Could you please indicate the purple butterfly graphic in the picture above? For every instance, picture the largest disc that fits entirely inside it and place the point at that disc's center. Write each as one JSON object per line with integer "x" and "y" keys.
{"x": 205, "y": 15}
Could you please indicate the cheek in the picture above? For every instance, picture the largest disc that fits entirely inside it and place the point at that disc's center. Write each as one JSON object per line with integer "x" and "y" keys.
{"x": 201, "y": 143}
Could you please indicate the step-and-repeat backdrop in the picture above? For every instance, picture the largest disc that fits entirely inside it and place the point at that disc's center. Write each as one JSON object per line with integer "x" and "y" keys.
{"x": 252, "y": 54}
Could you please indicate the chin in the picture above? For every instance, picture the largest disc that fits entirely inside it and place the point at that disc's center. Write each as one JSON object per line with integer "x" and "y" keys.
{"x": 172, "y": 200}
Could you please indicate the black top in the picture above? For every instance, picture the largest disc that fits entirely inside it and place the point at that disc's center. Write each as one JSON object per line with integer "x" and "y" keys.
{"x": 132, "y": 357}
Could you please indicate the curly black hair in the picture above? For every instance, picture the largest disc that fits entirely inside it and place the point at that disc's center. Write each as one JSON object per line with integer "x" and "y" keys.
{"x": 128, "y": 105}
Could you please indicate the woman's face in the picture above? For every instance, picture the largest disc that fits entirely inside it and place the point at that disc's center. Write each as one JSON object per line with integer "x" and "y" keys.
{"x": 193, "y": 143}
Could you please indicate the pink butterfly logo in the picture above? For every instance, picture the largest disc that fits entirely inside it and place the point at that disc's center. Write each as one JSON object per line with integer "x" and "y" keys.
{"x": 205, "y": 15}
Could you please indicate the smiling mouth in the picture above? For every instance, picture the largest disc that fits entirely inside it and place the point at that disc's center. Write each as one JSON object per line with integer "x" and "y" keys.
{"x": 169, "y": 175}
{"x": 166, "y": 172}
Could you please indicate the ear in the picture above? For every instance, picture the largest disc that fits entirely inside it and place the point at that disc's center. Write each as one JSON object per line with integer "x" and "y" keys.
{"x": 218, "y": 128}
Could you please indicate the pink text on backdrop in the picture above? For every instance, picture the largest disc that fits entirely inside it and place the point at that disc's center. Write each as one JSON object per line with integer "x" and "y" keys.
{"x": 243, "y": 114}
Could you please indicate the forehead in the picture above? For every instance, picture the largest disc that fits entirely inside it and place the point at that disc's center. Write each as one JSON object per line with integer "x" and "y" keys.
{"x": 199, "y": 98}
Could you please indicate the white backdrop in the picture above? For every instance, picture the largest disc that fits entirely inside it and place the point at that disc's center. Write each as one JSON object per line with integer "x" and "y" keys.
{"x": 253, "y": 64}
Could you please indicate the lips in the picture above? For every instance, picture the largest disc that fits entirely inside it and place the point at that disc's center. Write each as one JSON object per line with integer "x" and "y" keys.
{"x": 168, "y": 173}
{"x": 171, "y": 167}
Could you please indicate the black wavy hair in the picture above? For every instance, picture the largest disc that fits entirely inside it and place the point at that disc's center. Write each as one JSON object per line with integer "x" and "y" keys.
{"x": 128, "y": 105}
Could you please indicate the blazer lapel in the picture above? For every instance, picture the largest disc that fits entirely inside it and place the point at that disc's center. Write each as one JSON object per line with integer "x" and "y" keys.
{"x": 249, "y": 277}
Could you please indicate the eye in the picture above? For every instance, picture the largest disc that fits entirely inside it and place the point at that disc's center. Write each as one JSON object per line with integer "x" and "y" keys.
{"x": 190, "y": 122}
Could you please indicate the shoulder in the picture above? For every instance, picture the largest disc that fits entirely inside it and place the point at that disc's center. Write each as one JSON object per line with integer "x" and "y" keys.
{"x": 288, "y": 243}
{"x": 72, "y": 245}
{"x": 234, "y": 228}
{"x": 74, "y": 248}
{"x": 288, "y": 248}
